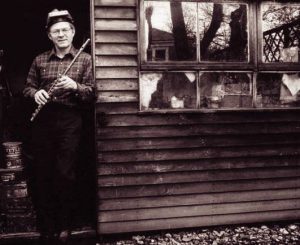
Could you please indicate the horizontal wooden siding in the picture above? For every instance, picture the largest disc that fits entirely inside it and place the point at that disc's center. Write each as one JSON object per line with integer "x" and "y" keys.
{"x": 165, "y": 171}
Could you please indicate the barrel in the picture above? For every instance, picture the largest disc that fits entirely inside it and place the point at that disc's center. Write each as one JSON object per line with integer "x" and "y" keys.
{"x": 13, "y": 154}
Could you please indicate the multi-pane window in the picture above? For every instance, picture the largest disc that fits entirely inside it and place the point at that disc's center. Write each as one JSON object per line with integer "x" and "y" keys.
{"x": 214, "y": 54}
{"x": 280, "y": 32}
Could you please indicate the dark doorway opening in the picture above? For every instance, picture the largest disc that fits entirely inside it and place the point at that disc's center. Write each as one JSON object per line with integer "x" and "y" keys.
{"x": 23, "y": 36}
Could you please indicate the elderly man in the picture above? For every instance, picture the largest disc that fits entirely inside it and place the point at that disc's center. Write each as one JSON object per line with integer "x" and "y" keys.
{"x": 57, "y": 128}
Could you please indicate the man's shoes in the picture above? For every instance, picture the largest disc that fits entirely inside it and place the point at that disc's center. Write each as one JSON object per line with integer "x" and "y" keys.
{"x": 64, "y": 236}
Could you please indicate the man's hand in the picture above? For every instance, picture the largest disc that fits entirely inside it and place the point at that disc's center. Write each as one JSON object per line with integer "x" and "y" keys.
{"x": 66, "y": 83}
{"x": 41, "y": 97}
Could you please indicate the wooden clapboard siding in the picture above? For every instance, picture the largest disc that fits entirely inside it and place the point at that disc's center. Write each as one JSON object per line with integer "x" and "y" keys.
{"x": 196, "y": 187}
{"x": 115, "y": 13}
{"x": 164, "y": 170}
{"x": 119, "y": 72}
{"x": 116, "y": 84}
{"x": 204, "y": 153}
{"x": 197, "y": 210}
{"x": 193, "y": 130}
{"x": 189, "y": 119}
{"x": 116, "y": 61}
{"x": 196, "y": 221}
{"x": 197, "y": 165}
{"x": 115, "y": 25}
{"x": 115, "y": 108}
{"x": 116, "y": 49}
{"x": 197, "y": 199}
{"x": 196, "y": 141}
{"x": 198, "y": 176}
{"x": 117, "y": 96}
{"x": 115, "y": 37}
{"x": 118, "y": 3}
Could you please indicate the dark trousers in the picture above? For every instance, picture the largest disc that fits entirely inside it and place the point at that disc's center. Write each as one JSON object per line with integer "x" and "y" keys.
{"x": 55, "y": 134}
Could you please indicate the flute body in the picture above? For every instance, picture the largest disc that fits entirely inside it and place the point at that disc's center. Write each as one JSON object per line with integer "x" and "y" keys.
{"x": 50, "y": 91}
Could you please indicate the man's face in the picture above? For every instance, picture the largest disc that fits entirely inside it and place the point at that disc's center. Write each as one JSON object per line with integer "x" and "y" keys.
{"x": 61, "y": 34}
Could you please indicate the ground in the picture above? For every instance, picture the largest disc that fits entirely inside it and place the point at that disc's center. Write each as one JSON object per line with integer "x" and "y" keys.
{"x": 261, "y": 234}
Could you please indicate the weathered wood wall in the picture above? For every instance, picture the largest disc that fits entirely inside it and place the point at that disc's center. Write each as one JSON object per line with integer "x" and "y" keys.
{"x": 161, "y": 171}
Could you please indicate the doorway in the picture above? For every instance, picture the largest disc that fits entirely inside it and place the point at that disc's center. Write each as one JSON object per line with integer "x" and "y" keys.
{"x": 23, "y": 37}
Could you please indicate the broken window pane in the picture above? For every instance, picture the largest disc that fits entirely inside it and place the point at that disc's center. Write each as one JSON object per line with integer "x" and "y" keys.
{"x": 168, "y": 90}
{"x": 280, "y": 27}
{"x": 278, "y": 90}
{"x": 225, "y": 90}
{"x": 170, "y": 26}
{"x": 223, "y": 30}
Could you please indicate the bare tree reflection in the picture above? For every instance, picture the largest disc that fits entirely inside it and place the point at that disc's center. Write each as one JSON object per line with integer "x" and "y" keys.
{"x": 217, "y": 17}
{"x": 238, "y": 37}
{"x": 172, "y": 31}
{"x": 179, "y": 32}
{"x": 220, "y": 43}
{"x": 148, "y": 13}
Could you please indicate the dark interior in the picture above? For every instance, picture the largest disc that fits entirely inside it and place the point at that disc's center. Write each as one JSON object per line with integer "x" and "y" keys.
{"x": 23, "y": 36}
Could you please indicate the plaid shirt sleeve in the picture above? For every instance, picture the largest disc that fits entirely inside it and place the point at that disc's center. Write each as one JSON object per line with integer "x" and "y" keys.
{"x": 85, "y": 88}
{"x": 32, "y": 85}
{"x": 45, "y": 69}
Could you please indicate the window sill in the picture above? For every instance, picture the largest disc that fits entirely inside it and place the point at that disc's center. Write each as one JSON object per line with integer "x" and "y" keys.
{"x": 189, "y": 66}
{"x": 279, "y": 67}
{"x": 203, "y": 111}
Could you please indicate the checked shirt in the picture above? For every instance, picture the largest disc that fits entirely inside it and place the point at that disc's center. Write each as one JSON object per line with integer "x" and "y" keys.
{"x": 47, "y": 67}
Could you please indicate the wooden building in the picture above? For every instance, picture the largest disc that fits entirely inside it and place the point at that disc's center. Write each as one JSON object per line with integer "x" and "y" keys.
{"x": 205, "y": 129}
{"x": 210, "y": 163}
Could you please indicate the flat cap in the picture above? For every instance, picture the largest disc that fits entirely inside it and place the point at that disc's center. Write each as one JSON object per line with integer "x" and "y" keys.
{"x": 56, "y": 16}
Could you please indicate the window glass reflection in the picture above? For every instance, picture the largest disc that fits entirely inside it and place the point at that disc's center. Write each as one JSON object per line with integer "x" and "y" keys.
{"x": 225, "y": 90}
{"x": 223, "y": 31}
{"x": 168, "y": 90}
{"x": 280, "y": 26}
{"x": 278, "y": 90}
{"x": 170, "y": 31}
